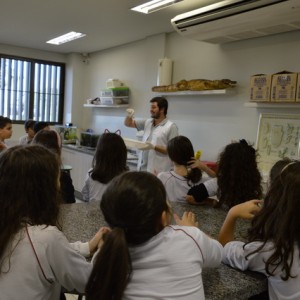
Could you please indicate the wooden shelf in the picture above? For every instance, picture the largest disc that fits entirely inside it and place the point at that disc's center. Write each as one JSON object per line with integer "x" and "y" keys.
{"x": 273, "y": 104}
{"x": 198, "y": 93}
{"x": 103, "y": 105}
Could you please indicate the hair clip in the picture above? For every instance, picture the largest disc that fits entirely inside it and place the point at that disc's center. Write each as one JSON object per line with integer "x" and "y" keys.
{"x": 116, "y": 132}
{"x": 285, "y": 167}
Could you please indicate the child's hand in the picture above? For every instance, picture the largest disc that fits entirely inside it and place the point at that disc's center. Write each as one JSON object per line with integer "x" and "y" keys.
{"x": 97, "y": 241}
{"x": 195, "y": 163}
{"x": 188, "y": 219}
{"x": 246, "y": 210}
{"x": 191, "y": 200}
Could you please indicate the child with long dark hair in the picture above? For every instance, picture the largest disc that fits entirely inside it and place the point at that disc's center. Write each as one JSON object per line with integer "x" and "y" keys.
{"x": 35, "y": 257}
{"x": 110, "y": 160}
{"x": 179, "y": 180}
{"x": 273, "y": 239}
{"x": 52, "y": 141}
{"x": 144, "y": 257}
{"x": 238, "y": 178}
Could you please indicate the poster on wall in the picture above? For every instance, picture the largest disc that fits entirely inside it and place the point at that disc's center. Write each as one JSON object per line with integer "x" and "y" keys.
{"x": 278, "y": 136}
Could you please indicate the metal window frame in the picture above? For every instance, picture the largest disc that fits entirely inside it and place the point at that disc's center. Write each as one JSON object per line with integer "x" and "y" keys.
{"x": 48, "y": 112}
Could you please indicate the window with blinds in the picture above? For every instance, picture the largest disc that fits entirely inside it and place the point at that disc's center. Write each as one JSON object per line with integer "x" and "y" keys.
{"x": 31, "y": 89}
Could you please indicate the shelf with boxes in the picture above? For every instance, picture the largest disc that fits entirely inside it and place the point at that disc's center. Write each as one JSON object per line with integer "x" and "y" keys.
{"x": 114, "y": 97}
{"x": 268, "y": 104}
{"x": 280, "y": 90}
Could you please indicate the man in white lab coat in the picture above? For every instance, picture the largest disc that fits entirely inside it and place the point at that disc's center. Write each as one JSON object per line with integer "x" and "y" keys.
{"x": 158, "y": 130}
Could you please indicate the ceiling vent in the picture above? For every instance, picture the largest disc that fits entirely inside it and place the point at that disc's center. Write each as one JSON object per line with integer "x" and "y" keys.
{"x": 233, "y": 20}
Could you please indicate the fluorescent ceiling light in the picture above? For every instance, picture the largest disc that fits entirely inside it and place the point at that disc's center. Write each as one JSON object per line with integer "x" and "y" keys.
{"x": 154, "y": 5}
{"x": 68, "y": 37}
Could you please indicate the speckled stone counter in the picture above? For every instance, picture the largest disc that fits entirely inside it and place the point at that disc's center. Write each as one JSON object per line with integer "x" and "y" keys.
{"x": 80, "y": 221}
{"x": 91, "y": 151}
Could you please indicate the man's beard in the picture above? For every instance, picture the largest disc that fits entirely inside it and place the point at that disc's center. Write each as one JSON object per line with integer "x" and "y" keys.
{"x": 155, "y": 115}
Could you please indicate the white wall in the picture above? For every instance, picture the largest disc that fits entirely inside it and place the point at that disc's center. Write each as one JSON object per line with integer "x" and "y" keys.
{"x": 209, "y": 121}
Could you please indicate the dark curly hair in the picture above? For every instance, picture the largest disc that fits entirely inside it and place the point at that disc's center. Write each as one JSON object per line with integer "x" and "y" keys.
{"x": 239, "y": 179}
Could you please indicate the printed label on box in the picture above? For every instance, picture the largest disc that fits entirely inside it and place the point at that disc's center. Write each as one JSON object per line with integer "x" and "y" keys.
{"x": 284, "y": 87}
{"x": 260, "y": 87}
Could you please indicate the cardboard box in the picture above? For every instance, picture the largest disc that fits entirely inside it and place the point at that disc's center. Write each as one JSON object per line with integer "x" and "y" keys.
{"x": 260, "y": 87}
{"x": 284, "y": 86}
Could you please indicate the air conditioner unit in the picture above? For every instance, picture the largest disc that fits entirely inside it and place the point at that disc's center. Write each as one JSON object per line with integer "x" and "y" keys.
{"x": 233, "y": 20}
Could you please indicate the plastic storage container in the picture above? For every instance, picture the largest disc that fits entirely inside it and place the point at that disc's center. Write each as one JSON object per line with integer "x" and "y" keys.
{"x": 68, "y": 134}
{"x": 113, "y": 100}
{"x": 114, "y": 92}
{"x": 89, "y": 139}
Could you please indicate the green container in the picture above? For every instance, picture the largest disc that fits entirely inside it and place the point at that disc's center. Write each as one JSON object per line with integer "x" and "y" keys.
{"x": 115, "y": 92}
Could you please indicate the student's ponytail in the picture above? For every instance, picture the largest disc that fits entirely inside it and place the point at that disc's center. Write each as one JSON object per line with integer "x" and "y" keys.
{"x": 181, "y": 152}
{"x": 112, "y": 268}
{"x": 132, "y": 205}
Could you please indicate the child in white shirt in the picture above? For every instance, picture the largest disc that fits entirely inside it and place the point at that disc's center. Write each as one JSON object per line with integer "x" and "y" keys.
{"x": 144, "y": 257}
{"x": 273, "y": 240}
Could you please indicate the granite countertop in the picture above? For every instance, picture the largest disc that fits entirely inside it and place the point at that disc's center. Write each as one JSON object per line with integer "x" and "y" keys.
{"x": 80, "y": 221}
{"x": 91, "y": 151}
{"x": 82, "y": 149}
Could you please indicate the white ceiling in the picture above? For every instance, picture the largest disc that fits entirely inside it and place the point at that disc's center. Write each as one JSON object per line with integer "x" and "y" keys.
{"x": 107, "y": 23}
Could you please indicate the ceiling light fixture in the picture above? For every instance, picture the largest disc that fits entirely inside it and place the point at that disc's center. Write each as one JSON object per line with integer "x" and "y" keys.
{"x": 68, "y": 37}
{"x": 154, "y": 5}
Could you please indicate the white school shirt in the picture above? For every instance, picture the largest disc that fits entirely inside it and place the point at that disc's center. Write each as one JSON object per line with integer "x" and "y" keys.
{"x": 169, "y": 265}
{"x": 234, "y": 255}
{"x": 92, "y": 189}
{"x": 176, "y": 186}
{"x": 157, "y": 135}
{"x": 24, "y": 140}
{"x": 22, "y": 277}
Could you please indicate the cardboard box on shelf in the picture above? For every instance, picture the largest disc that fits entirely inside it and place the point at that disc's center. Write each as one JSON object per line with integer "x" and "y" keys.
{"x": 284, "y": 87}
{"x": 260, "y": 87}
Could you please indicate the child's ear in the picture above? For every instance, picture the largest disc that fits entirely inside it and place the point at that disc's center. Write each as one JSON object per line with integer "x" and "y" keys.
{"x": 165, "y": 218}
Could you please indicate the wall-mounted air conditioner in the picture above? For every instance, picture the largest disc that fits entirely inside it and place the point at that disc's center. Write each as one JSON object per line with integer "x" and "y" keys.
{"x": 233, "y": 20}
